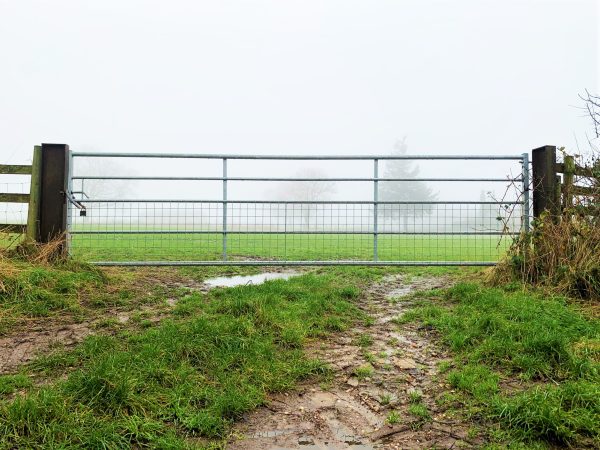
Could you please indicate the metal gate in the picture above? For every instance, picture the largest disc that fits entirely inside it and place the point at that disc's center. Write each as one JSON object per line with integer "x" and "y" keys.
{"x": 194, "y": 209}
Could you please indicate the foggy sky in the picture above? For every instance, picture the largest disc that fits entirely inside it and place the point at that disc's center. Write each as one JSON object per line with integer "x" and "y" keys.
{"x": 272, "y": 76}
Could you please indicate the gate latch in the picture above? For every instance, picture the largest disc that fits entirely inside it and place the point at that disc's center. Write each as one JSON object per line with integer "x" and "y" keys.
{"x": 80, "y": 206}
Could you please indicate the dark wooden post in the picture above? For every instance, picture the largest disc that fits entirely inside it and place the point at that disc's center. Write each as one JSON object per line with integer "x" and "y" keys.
{"x": 545, "y": 185}
{"x": 54, "y": 185}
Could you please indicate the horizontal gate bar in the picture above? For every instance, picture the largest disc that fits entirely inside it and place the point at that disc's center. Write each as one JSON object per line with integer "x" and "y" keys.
{"x": 294, "y": 263}
{"x": 150, "y": 178}
{"x": 296, "y": 157}
{"x": 14, "y": 198}
{"x": 15, "y": 169}
{"x": 288, "y": 232}
{"x": 301, "y": 202}
{"x": 12, "y": 228}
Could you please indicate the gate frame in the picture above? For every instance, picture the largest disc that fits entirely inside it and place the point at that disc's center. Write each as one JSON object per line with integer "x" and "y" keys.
{"x": 524, "y": 180}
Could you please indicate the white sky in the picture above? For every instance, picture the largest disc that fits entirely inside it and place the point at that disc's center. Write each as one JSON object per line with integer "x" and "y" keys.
{"x": 272, "y": 76}
{"x": 296, "y": 76}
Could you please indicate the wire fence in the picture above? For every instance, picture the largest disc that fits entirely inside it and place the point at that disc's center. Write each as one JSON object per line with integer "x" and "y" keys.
{"x": 12, "y": 213}
{"x": 303, "y": 225}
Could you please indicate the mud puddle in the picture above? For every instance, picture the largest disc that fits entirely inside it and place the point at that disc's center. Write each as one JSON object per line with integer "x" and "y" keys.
{"x": 239, "y": 280}
{"x": 374, "y": 379}
{"x": 23, "y": 347}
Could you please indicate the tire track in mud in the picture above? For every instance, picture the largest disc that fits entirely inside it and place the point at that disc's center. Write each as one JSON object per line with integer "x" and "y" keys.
{"x": 398, "y": 366}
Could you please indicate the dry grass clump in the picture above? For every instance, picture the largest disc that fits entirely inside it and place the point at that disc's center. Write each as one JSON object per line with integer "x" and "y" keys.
{"x": 35, "y": 252}
{"x": 562, "y": 252}
{"x": 563, "y": 255}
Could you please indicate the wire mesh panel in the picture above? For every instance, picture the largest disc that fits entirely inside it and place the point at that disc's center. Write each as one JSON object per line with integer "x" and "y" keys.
{"x": 360, "y": 221}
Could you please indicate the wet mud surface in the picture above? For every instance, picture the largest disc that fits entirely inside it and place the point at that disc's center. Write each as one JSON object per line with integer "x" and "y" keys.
{"x": 397, "y": 368}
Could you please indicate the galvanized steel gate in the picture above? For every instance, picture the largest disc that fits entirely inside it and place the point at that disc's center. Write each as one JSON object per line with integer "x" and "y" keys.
{"x": 134, "y": 212}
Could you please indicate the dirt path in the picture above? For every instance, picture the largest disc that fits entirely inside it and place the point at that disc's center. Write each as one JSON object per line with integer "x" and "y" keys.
{"x": 397, "y": 368}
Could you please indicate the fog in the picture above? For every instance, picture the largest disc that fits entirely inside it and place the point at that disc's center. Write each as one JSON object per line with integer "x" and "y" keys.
{"x": 294, "y": 77}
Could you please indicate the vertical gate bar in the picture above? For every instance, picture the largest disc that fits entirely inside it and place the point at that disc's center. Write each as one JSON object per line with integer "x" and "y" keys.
{"x": 224, "y": 209}
{"x": 526, "y": 205}
{"x": 285, "y": 233}
{"x": 69, "y": 176}
{"x": 375, "y": 207}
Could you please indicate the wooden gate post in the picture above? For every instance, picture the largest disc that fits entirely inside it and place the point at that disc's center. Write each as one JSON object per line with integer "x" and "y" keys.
{"x": 33, "y": 211}
{"x": 54, "y": 185}
{"x": 545, "y": 185}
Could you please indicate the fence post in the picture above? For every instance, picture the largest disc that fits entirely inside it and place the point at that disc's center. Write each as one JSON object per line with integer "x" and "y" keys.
{"x": 545, "y": 186}
{"x": 568, "y": 177}
{"x": 33, "y": 211}
{"x": 54, "y": 185}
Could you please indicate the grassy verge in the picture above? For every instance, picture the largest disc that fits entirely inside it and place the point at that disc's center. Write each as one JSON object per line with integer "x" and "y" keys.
{"x": 543, "y": 345}
{"x": 73, "y": 291}
{"x": 179, "y": 383}
{"x": 29, "y": 291}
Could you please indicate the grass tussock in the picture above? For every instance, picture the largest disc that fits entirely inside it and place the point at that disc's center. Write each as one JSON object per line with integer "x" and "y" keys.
{"x": 502, "y": 334}
{"x": 184, "y": 379}
{"x": 30, "y": 290}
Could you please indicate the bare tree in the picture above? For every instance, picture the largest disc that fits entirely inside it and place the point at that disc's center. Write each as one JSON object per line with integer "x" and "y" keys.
{"x": 307, "y": 191}
{"x": 103, "y": 188}
{"x": 592, "y": 106}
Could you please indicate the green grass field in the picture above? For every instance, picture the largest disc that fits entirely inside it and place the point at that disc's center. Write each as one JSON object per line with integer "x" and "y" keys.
{"x": 291, "y": 247}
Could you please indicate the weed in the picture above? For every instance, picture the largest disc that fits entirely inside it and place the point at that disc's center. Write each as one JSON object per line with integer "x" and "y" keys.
{"x": 385, "y": 399}
{"x": 369, "y": 357}
{"x": 364, "y": 340}
{"x": 393, "y": 418}
{"x": 415, "y": 396}
{"x": 369, "y": 321}
{"x": 419, "y": 410}
{"x": 393, "y": 342}
{"x": 363, "y": 372}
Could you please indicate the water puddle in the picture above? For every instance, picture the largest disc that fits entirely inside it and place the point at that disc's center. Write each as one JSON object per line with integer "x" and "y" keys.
{"x": 239, "y": 280}
{"x": 344, "y": 434}
{"x": 400, "y": 292}
{"x": 271, "y": 433}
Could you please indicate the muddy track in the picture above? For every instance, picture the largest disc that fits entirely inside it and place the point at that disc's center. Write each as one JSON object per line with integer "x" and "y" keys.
{"x": 399, "y": 369}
